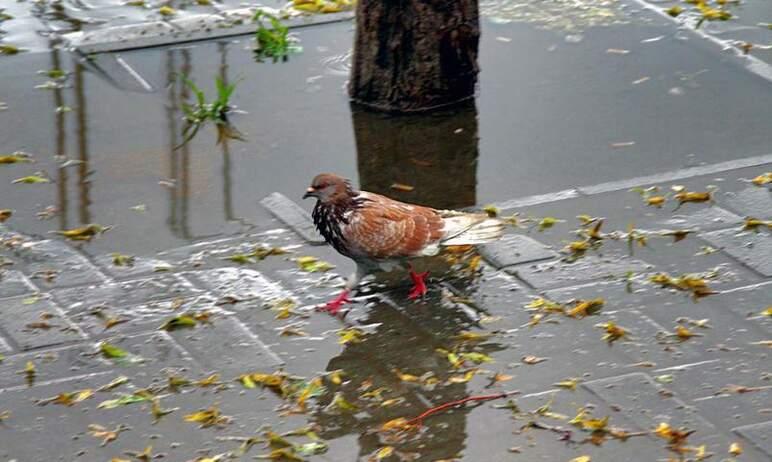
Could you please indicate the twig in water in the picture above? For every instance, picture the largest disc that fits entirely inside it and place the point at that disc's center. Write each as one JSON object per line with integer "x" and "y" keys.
{"x": 419, "y": 419}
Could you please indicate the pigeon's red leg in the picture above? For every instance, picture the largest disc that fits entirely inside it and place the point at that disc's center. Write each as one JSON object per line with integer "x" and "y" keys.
{"x": 334, "y": 305}
{"x": 419, "y": 286}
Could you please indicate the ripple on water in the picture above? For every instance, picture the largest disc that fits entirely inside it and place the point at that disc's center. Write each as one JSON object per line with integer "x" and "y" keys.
{"x": 338, "y": 64}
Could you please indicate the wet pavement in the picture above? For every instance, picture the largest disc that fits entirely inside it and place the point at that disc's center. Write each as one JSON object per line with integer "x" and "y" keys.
{"x": 579, "y": 103}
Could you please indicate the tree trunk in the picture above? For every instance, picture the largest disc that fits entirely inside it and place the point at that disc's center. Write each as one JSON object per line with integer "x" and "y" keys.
{"x": 414, "y": 55}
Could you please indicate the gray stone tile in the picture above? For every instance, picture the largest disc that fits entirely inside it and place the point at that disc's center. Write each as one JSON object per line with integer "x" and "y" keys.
{"x": 753, "y": 249}
{"x": 240, "y": 283}
{"x": 51, "y": 365}
{"x": 14, "y": 283}
{"x": 641, "y": 400}
{"x": 152, "y": 354}
{"x": 760, "y": 435}
{"x": 560, "y": 273}
{"x": 293, "y": 216}
{"x": 753, "y": 201}
{"x": 227, "y": 347}
{"x": 120, "y": 294}
{"x": 140, "y": 266}
{"x": 514, "y": 249}
{"x": 702, "y": 219}
{"x": 65, "y": 266}
{"x": 22, "y": 313}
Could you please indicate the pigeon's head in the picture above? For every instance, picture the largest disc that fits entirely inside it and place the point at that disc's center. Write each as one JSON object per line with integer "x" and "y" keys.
{"x": 329, "y": 188}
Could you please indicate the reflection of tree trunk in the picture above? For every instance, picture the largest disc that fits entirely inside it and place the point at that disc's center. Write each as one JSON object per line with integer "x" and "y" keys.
{"x": 61, "y": 143}
{"x": 84, "y": 184}
{"x": 414, "y": 55}
{"x": 225, "y": 145}
{"x": 434, "y": 153}
{"x": 408, "y": 343}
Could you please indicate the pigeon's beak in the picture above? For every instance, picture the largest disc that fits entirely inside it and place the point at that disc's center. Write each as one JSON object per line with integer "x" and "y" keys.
{"x": 310, "y": 192}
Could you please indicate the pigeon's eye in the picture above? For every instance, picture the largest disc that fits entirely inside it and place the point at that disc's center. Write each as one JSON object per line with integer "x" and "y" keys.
{"x": 321, "y": 186}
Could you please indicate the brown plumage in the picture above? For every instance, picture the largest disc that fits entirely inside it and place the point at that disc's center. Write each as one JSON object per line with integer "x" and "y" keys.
{"x": 378, "y": 232}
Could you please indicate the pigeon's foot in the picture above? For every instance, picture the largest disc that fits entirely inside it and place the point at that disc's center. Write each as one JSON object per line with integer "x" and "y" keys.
{"x": 419, "y": 286}
{"x": 333, "y": 306}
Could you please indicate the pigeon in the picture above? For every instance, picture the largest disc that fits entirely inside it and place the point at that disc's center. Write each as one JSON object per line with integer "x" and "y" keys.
{"x": 380, "y": 233}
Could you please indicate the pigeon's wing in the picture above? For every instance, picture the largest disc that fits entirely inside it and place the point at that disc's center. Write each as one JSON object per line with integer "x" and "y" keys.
{"x": 383, "y": 228}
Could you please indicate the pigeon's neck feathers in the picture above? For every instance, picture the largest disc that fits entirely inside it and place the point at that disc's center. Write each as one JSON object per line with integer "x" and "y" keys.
{"x": 329, "y": 216}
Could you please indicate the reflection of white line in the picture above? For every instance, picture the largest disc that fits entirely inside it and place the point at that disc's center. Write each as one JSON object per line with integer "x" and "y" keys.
{"x": 753, "y": 64}
{"x": 674, "y": 175}
{"x": 134, "y": 74}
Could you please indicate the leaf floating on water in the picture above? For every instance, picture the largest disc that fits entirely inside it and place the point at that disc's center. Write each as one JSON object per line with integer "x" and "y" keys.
{"x": 157, "y": 411}
{"x": 402, "y": 187}
{"x": 136, "y": 397}
{"x": 208, "y": 417}
{"x": 167, "y": 11}
{"x": 584, "y": 308}
{"x": 674, "y": 11}
{"x": 735, "y": 449}
{"x": 462, "y": 378}
{"x": 183, "y": 321}
{"x": 111, "y": 351}
{"x": 683, "y": 196}
{"x": 122, "y": 260}
{"x": 491, "y": 210}
{"x": 84, "y": 233}
{"x": 683, "y": 333}
{"x": 761, "y": 180}
{"x": 98, "y": 431}
{"x": 753, "y": 224}
{"x": 675, "y": 438}
{"x": 477, "y": 358}
{"x": 15, "y": 158}
{"x": 656, "y": 201}
{"x": 339, "y": 403}
{"x": 30, "y": 372}
{"x": 350, "y": 335}
{"x": 32, "y": 179}
{"x": 313, "y": 265}
{"x": 530, "y": 359}
{"x": 7, "y": 49}
{"x": 5, "y": 214}
{"x": 569, "y": 384}
{"x": 209, "y": 381}
{"x": 115, "y": 383}
{"x": 283, "y": 454}
{"x": 678, "y": 235}
{"x": 548, "y": 222}
{"x": 581, "y": 459}
{"x": 4, "y": 415}
{"x": 383, "y": 453}
{"x": 613, "y": 331}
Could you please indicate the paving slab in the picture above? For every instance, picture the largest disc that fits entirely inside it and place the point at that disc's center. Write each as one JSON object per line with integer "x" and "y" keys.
{"x": 13, "y": 283}
{"x": 54, "y": 264}
{"x": 293, "y": 216}
{"x": 37, "y": 322}
{"x": 760, "y": 435}
{"x": 228, "y": 347}
{"x": 514, "y": 249}
{"x": 753, "y": 201}
{"x": 753, "y": 249}
{"x": 561, "y": 273}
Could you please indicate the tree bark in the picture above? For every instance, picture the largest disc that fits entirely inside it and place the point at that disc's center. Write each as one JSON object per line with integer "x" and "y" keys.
{"x": 414, "y": 55}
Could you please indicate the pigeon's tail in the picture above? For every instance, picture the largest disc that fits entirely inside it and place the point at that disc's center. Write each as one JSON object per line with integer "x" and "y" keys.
{"x": 468, "y": 229}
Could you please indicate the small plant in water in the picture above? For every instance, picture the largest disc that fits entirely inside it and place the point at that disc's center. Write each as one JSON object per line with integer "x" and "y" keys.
{"x": 273, "y": 38}
{"x": 200, "y": 112}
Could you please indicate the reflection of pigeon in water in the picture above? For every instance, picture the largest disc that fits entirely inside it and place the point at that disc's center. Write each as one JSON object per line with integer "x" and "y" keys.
{"x": 381, "y": 233}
